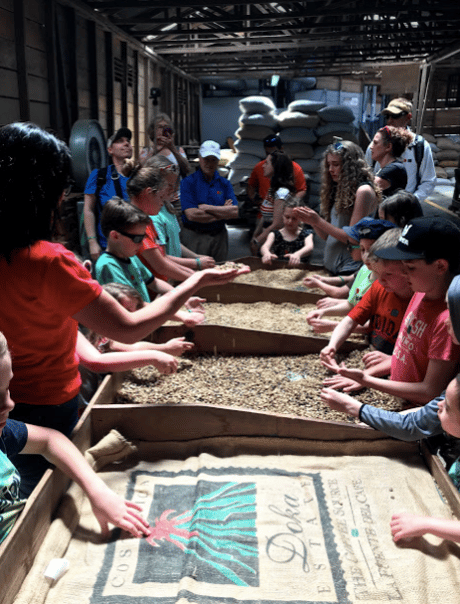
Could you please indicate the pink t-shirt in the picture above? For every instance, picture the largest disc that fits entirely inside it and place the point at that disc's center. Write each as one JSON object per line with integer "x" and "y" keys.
{"x": 423, "y": 336}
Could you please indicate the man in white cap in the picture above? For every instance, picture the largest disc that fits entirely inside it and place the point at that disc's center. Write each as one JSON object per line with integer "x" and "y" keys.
{"x": 207, "y": 201}
{"x": 417, "y": 158}
{"x": 104, "y": 184}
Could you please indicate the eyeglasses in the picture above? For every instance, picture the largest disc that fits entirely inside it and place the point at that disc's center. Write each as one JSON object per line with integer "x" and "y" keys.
{"x": 134, "y": 238}
{"x": 351, "y": 247}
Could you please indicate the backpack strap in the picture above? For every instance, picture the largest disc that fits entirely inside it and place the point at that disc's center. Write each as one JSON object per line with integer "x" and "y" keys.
{"x": 419, "y": 150}
{"x": 116, "y": 182}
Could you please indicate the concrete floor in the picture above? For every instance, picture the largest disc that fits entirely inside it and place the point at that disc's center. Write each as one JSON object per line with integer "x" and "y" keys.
{"x": 436, "y": 204}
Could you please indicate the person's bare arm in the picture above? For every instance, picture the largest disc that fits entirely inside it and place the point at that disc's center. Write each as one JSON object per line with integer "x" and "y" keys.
{"x": 383, "y": 184}
{"x": 226, "y": 212}
{"x": 89, "y": 219}
{"x": 165, "y": 265}
{"x": 406, "y": 526}
{"x": 108, "y": 507}
{"x": 338, "y": 337}
{"x": 107, "y": 317}
{"x": 365, "y": 202}
{"x": 437, "y": 377}
{"x": 95, "y": 361}
{"x": 199, "y": 215}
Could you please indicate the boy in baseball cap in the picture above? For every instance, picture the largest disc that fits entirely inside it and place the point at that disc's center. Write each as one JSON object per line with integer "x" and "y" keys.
{"x": 425, "y": 358}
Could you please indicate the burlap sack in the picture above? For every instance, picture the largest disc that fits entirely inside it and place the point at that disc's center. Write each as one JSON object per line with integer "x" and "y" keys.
{"x": 308, "y": 529}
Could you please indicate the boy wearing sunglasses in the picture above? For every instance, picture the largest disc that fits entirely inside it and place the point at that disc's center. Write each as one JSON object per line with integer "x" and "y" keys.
{"x": 124, "y": 226}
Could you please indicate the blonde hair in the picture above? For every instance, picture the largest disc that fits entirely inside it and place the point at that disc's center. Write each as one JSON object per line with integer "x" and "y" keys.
{"x": 4, "y": 350}
{"x": 162, "y": 162}
{"x": 355, "y": 172}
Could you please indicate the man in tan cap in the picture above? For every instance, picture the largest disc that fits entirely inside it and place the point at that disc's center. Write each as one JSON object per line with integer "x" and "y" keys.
{"x": 417, "y": 158}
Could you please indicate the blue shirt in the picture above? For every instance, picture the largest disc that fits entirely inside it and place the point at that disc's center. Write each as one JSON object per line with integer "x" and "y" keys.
{"x": 107, "y": 192}
{"x": 195, "y": 190}
{"x": 12, "y": 441}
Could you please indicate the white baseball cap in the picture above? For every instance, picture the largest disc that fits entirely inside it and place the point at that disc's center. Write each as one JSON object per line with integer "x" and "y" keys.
{"x": 210, "y": 148}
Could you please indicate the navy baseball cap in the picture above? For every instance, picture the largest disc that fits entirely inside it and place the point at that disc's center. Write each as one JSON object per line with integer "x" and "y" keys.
{"x": 368, "y": 228}
{"x": 425, "y": 238}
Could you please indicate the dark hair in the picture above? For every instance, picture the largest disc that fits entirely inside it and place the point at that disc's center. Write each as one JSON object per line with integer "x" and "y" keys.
{"x": 283, "y": 172}
{"x": 34, "y": 172}
{"x": 399, "y": 138}
{"x": 401, "y": 207}
{"x": 143, "y": 177}
{"x": 118, "y": 215}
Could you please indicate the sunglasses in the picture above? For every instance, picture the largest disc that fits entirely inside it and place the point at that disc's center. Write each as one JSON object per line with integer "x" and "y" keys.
{"x": 396, "y": 116}
{"x": 337, "y": 145}
{"x": 134, "y": 238}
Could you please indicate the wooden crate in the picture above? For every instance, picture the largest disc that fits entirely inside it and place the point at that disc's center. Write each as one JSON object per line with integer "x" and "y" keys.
{"x": 248, "y": 292}
{"x": 191, "y": 425}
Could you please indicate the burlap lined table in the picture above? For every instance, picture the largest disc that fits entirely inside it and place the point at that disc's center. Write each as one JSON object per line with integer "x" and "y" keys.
{"x": 303, "y": 529}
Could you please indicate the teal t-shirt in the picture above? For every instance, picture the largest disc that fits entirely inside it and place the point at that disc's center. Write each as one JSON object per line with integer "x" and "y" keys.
{"x": 168, "y": 229}
{"x": 110, "y": 269}
{"x": 361, "y": 284}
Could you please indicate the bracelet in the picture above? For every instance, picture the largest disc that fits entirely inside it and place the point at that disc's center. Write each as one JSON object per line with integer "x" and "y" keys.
{"x": 92, "y": 237}
{"x": 198, "y": 263}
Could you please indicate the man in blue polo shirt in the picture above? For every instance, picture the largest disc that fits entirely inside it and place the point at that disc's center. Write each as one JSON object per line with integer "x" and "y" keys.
{"x": 207, "y": 201}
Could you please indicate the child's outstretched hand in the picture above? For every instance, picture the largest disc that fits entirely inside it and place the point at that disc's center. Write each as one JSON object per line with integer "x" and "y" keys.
{"x": 312, "y": 281}
{"x": 207, "y": 262}
{"x": 327, "y": 358}
{"x": 326, "y": 302}
{"x": 108, "y": 507}
{"x": 195, "y": 303}
{"x": 341, "y": 402}
{"x": 268, "y": 257}
{"x": 293, "y": 259}
{"x": 338, "y": 382}
{"x": 375, "y": 357}
{"x": 322, "y": 325}
{"x": 177, "y": 346}
{"x": 190, "y": 319}
{"x": 406, "y": 526}
{"x": 165, "y": 363}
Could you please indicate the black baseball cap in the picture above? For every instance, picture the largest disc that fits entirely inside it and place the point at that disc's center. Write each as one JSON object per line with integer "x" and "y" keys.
{"x": 273, "y": 140}
{"x": 426, "y": 238}
{"x": 120, "y": 133}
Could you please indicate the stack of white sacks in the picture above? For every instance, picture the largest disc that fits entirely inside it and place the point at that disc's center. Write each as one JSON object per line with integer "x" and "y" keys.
{"x": 306, "y": 128}
{"x": 257, "y": 121}
{"x": 446, "y": 155}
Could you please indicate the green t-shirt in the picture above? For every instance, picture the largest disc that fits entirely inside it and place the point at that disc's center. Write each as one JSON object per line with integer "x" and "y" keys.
{"x": 361, "y": 284}
{"x": 110, "y": 269}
